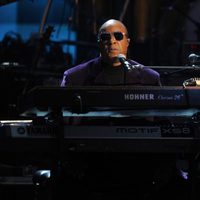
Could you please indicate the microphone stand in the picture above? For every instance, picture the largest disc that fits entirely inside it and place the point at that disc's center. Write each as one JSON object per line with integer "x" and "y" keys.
{"x": 193, "y": 67}
{"x": 124, "y": 78}
{"x": 126, "y": 66}
{"x": 167, "y": 72}
{"x": 174, "y": 72}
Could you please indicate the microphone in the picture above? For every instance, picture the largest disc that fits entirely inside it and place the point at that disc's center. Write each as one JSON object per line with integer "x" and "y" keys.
{"x": 124, "y": 62}
{"x": 194, "y": 58}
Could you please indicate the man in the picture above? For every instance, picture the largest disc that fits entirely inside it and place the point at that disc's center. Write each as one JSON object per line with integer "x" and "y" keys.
{"x": 109, "y": 68}
{"x": 113, "y": 68}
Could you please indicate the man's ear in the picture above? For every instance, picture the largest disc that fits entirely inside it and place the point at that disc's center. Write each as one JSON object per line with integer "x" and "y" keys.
{"x": 128, "y": 41}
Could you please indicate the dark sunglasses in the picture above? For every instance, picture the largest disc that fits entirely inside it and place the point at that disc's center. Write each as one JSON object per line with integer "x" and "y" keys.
{"x": 107, "y": 36}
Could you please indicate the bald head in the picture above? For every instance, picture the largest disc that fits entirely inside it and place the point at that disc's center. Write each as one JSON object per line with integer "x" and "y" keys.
{"x": 113, "y": 22}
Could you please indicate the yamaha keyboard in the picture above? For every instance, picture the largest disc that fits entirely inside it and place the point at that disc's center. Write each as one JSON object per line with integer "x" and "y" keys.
{"x": 179, "y": 137}
{"x": 82, "y": 99}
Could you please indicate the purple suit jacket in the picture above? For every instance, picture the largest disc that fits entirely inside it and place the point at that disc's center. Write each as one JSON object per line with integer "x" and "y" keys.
{"x": 91, "y": 73}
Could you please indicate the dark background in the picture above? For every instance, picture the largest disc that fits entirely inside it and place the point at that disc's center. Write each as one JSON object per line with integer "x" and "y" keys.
{"x": 35, "y": 48}
{"x": 159, "y": 30}
{"x": 163, "y": 33}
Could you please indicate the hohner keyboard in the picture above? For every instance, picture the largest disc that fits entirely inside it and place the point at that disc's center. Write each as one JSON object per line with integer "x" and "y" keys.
{"x": 83, "y": 99}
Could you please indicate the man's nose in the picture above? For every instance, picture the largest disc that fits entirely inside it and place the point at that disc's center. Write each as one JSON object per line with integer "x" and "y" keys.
{"x": 112, "y": 38}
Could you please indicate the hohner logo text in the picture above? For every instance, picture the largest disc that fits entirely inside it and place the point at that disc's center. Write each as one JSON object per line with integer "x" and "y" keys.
{"x": 144, "y": 96}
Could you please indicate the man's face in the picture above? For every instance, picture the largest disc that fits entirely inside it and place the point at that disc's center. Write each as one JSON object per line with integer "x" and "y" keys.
{"x": 112, "y": 42}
